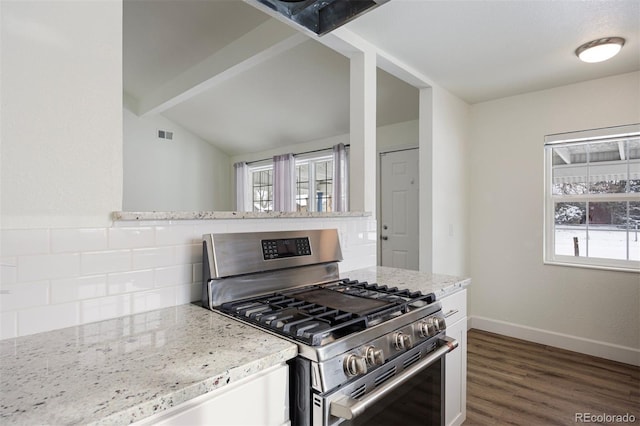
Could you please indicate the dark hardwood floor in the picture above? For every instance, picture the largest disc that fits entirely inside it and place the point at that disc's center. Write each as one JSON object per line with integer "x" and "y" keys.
{"x": 514, "y": 382}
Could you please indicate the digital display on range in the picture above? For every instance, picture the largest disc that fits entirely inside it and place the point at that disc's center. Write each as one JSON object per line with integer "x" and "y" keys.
{"x": 287, "y": 247}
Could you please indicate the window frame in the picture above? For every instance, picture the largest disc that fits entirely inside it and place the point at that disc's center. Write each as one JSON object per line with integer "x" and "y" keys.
{"x": 311, "y": 160}
{"x": 257, "y": 168}
{"x": 550, "y": 200}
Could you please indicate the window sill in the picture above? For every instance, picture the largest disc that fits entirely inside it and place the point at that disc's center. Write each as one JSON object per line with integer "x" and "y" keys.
{"x": 593, "y": 266}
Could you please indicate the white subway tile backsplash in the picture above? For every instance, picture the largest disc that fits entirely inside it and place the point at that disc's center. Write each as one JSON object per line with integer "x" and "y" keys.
{"x": 211, "y": 227}
{"x": 131, "y": 237}
{"x": 72, "y": 289}
{"x": 23, "y": 295}
{"x": 8, "y": 270}
{"x": 197, "y": 272}
{"x": 105, "y": 308}
{"x": 53, "y": 278}
{"x": 8, "y": 325}
{"x": 188, "y": 254}
{"x": 176, "y": 235}
{"x": 153, "y": 257}
{"x": 78, "y": 240}
{"x": 48, "y": 266}
{"x": 174, "y": 275}
{"x": 188, "y": 293}
{"x": 100, "y": 262}
{"x": 127, "y": 282}
{"x": 16, "y": 242}
{"x": 45, "y": 318}
{"x": 155, "y": 299}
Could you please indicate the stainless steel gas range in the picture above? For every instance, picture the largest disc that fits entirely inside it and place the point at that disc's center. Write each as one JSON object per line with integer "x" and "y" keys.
{"x": 368, "y": 354}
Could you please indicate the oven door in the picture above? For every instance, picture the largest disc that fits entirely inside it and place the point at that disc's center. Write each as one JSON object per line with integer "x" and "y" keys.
{"x": 409, "y": 391}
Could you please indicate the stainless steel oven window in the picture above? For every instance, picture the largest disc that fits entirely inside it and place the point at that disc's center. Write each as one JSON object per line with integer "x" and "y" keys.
{"x": 408, "y": 390}
{"x": 419, "y": 401}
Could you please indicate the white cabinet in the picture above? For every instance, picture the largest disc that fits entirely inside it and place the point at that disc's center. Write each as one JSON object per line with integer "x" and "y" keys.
{"x": 261, "y": 399}
{"x": 454, "y": 308}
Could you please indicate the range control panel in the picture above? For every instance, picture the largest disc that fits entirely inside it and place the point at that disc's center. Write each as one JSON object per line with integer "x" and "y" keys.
{"x": 285, "y": 247}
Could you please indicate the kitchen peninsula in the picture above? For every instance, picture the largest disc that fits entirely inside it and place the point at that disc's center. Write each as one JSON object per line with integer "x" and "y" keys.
{"x": 126, "y": 369}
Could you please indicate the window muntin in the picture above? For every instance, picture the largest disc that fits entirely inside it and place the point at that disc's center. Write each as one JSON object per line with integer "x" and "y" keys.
{"x": 314, "y": 184}
{"x": 592, "y": 198}
{"x": 262, "y": 188}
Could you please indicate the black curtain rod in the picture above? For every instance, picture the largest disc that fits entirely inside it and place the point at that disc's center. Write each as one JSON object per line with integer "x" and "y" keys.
{"x": 300, "y": 153}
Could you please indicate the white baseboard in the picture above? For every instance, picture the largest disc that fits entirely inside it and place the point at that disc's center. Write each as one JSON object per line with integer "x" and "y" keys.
{"x": 597, "y": 348}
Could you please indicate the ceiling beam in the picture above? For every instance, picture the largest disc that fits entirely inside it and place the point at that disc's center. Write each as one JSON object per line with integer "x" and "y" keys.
{"x": 255, "y": 47}
{"x": 347, "y": 42}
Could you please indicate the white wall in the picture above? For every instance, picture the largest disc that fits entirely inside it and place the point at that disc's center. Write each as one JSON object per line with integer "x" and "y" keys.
{"x": 298, "y": 148}
{"x": 425, "y": 140}
{"x": 182, "y": 174}
{"x": 443, "y": 135}
{"x": 61, "y": 113}
{"x": 449, "y": 186}
{"x": 513, "y": 291}
{"x": 397, "y": 136}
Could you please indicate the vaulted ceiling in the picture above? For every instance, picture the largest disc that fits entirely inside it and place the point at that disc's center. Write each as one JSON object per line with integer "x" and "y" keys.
{"x": 246, "y": 82}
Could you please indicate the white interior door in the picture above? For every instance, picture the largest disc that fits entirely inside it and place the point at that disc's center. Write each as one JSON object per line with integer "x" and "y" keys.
{"x": 399, "y": 209}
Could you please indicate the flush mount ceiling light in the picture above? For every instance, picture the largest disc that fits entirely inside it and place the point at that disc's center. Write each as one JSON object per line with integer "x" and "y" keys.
{"x": 600, "y": 50}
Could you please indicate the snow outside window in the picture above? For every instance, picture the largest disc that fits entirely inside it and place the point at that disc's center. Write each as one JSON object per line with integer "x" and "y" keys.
{"x": 592, "y": 198}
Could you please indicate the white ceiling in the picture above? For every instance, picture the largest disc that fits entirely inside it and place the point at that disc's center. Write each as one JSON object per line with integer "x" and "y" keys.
{"x": 482, "y": 50}
{"x": 478, "y": 50}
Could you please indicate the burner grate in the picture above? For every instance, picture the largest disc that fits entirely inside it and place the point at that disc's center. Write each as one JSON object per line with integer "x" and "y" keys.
{"x": 319, "y": 314}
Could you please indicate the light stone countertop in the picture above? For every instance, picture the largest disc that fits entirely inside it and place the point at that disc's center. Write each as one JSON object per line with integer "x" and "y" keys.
{"x": 122, "y": 370}
{"x": 440, "y": 285}
{"x": 206, "y": 215}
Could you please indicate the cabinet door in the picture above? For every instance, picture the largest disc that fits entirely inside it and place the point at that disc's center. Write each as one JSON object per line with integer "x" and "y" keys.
{"x": 456, "y": 375}
{"x": 262, "y": 399}
{"x": 454, "y": 308}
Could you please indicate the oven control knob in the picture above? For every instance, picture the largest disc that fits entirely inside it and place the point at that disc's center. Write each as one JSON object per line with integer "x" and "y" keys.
{"x": 374, "y": 355}
{"x": 355, "y": 365}
{"x": 428, "y": 328}
{"x": 402, "y": 341}
{"x": 440, "y": 324}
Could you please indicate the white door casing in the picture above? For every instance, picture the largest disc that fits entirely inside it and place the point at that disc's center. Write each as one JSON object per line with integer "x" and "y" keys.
{"x": 399, "y": 191}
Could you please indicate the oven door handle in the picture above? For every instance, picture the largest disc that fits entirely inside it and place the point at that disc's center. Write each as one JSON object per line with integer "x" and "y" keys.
{"x": 348, "y": 408}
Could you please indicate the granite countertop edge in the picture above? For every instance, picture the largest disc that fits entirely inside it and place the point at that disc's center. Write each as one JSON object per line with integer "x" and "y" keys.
{"x": 210, "y": 215}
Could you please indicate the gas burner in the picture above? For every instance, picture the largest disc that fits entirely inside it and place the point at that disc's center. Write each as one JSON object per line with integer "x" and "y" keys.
{"x": 320, "y": 314}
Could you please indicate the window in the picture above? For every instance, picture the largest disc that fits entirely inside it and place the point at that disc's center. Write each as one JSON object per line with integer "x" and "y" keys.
{"x": 314, "y": 184}
{"x": 592, "y": 198}
{"x": 261, "y": 188}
